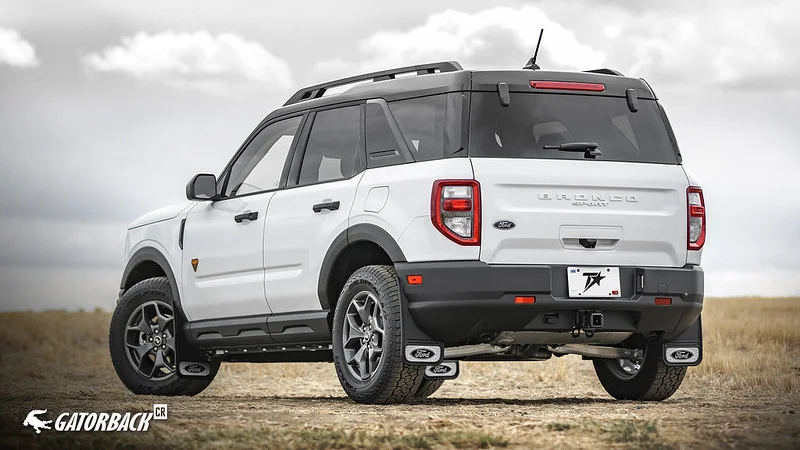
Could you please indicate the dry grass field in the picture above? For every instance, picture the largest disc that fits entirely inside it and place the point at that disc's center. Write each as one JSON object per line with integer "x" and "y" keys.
{"x": 745, "y": 394}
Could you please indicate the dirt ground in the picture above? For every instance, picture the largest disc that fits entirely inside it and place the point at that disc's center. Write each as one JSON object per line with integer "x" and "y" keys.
{"x": 745, "y": 394}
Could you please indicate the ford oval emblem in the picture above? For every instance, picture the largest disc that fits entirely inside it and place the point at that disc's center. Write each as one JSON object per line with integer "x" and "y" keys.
{"x": 422, "y": 353}
{"x": 682, "y": 355}
{"x": 440, "y": 369}
{"x": 504, "y": 225}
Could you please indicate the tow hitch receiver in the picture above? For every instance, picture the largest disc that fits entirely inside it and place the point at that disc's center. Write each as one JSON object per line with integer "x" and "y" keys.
{"x": 588, "y": 321}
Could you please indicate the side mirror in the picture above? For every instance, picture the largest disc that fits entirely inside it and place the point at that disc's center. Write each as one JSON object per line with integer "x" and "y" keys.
{"x": 202, "y": 187}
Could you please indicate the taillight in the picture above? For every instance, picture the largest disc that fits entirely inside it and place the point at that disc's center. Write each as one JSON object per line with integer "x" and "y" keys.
{"x": 456, "y": 210}
{"x": 696, "y": 213}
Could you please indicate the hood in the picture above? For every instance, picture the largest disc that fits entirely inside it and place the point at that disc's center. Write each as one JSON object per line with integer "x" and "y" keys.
{"x": 161, "y": 214}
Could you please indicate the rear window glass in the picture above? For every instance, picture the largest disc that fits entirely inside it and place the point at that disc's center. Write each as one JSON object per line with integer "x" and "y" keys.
{"x": 430, "y": 125}
{"x": 535, "y": 120}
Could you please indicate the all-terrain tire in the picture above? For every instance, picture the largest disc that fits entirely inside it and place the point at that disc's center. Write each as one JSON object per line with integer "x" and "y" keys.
{"x": 427, "y": 388}
{"x": 394, "y": 380}
{"x": 655, "y": 380}
{"x": 152, "y": 289}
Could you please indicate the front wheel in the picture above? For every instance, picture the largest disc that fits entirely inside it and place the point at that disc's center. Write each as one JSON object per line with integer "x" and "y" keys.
{"x": 649, "y": 380}
{"x": 142, "y": 342}
{"x": 367, "y": 343}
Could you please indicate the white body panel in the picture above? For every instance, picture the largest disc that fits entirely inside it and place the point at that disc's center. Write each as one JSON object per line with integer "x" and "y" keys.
{"x": 229, "y": 280}
{"x": 406, "y": 212}
{"x": 635, "y": 212}
{"x": 297, "y": 239}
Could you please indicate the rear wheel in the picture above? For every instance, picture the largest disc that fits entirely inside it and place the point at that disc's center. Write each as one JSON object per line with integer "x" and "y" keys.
{"x": 142, "y": 342}
{"x": 650, "y": 379}
{"x": 367, "y": 344}
{"x": 427, "y": 388}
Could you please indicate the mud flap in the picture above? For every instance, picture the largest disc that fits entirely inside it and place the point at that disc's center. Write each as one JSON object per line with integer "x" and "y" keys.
{"x": 686, "y": 349}
{"x": 191, "y": 362}
{"x": 445, "y": 370}
{"x": 418, "y": 347}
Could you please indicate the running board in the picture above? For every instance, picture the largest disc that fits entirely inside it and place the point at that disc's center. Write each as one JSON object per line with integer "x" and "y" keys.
{"x": 596, "y": 351}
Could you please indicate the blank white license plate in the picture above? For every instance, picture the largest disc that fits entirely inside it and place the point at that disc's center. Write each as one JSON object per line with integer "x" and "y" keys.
{"x": 594, "y": 282}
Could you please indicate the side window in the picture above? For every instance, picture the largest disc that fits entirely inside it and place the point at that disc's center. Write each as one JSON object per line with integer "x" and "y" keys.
{"x": 333, "y": 146}
{"x": 382, "y": 146}
{"x": 260, "y": 165}
{"x": 430, "y": 125}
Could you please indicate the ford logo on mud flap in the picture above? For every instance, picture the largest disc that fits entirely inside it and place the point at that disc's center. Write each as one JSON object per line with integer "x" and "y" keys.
{"x": 194, "y": 368}
{"x": 422, "y": 353}
{"x": 504, "y": 225}
{"x": 440, "y": 369}
{"x": 681, "y": 355}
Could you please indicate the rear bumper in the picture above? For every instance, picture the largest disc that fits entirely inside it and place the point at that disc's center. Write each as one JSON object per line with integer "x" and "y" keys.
{"x": 459, "y": 301}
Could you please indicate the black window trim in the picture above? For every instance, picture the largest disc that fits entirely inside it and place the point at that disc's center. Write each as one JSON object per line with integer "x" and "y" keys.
{"x": 225, "y": 175}
{"x": 293, "y": 180}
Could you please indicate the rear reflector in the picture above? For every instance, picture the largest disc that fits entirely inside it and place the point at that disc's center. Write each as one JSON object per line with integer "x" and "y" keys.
{"x": 414, "y": 279}
{"x": 568, "y": 86}
{"x": 663, "y": 301}
{"x": 524, "y": 300}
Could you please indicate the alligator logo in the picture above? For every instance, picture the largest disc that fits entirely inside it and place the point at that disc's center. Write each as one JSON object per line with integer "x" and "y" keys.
{"x": 37, "y": 424}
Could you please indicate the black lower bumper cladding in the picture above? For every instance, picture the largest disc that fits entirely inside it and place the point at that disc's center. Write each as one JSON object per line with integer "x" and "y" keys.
{"x": 460, "y": 300}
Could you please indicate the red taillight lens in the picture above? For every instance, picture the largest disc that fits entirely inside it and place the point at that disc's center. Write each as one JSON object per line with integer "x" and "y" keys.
{"x": 663, "y": 301}
{"x": 464, "y": 204}
{"x": 696, "y": 217}
{"x": 456, "y": 210}
{"x": 524, "y": 300}
{"x": 568, "y": 86}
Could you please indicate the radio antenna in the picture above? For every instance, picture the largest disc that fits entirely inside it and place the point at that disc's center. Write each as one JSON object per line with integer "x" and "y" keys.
{"x": 532, "y": 62}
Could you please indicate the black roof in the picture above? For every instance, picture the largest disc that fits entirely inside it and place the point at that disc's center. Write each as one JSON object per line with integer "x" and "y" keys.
{"x": 443, "y": 77}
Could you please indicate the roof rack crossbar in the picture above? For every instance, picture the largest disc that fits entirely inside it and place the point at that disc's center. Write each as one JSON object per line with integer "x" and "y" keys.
{"x": 317, "y": 91}
{"x": 606, "y": 71}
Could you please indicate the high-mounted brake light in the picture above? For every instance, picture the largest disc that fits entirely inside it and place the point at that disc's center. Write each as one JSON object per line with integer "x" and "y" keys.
{"x": 568, "y": 86}
{"x": 456, "y": 210}
{"x": 696, "y": 215}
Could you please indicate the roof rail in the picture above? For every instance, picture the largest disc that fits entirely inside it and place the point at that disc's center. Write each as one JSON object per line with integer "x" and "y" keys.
{"x": 317, "y": 91}
{"x": 606, "y": 71}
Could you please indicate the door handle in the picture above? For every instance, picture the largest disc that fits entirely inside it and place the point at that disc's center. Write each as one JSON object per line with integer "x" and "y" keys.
{"x": 246, "y": 216}
{"x": 333, "y": 206}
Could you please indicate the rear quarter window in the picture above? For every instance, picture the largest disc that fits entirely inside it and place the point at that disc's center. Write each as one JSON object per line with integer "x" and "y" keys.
{"x": 430, "y": 125}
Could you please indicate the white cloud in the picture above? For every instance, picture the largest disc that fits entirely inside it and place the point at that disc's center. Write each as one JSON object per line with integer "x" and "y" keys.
{"x": 214, "y": 63}
{"x": 487, "y": 39}
{"x": 16, "y": 51}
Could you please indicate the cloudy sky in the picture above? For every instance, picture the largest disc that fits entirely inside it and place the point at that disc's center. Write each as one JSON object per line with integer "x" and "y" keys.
{"x": 107, "y": 108}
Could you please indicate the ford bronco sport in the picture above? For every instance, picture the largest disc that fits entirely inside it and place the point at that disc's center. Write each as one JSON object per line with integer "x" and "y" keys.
{"x": 398, "y": 222}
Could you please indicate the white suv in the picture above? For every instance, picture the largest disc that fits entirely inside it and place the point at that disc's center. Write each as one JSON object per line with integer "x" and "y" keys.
{"x": 428, "y": 215}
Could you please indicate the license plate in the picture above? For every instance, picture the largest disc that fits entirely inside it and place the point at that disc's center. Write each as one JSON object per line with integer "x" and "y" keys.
{"x": 594, "y": 282}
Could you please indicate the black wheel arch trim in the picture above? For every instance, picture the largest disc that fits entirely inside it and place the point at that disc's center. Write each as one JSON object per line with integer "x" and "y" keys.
{"x": 363, "y": 232}
{"x": 151, "y": 254}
